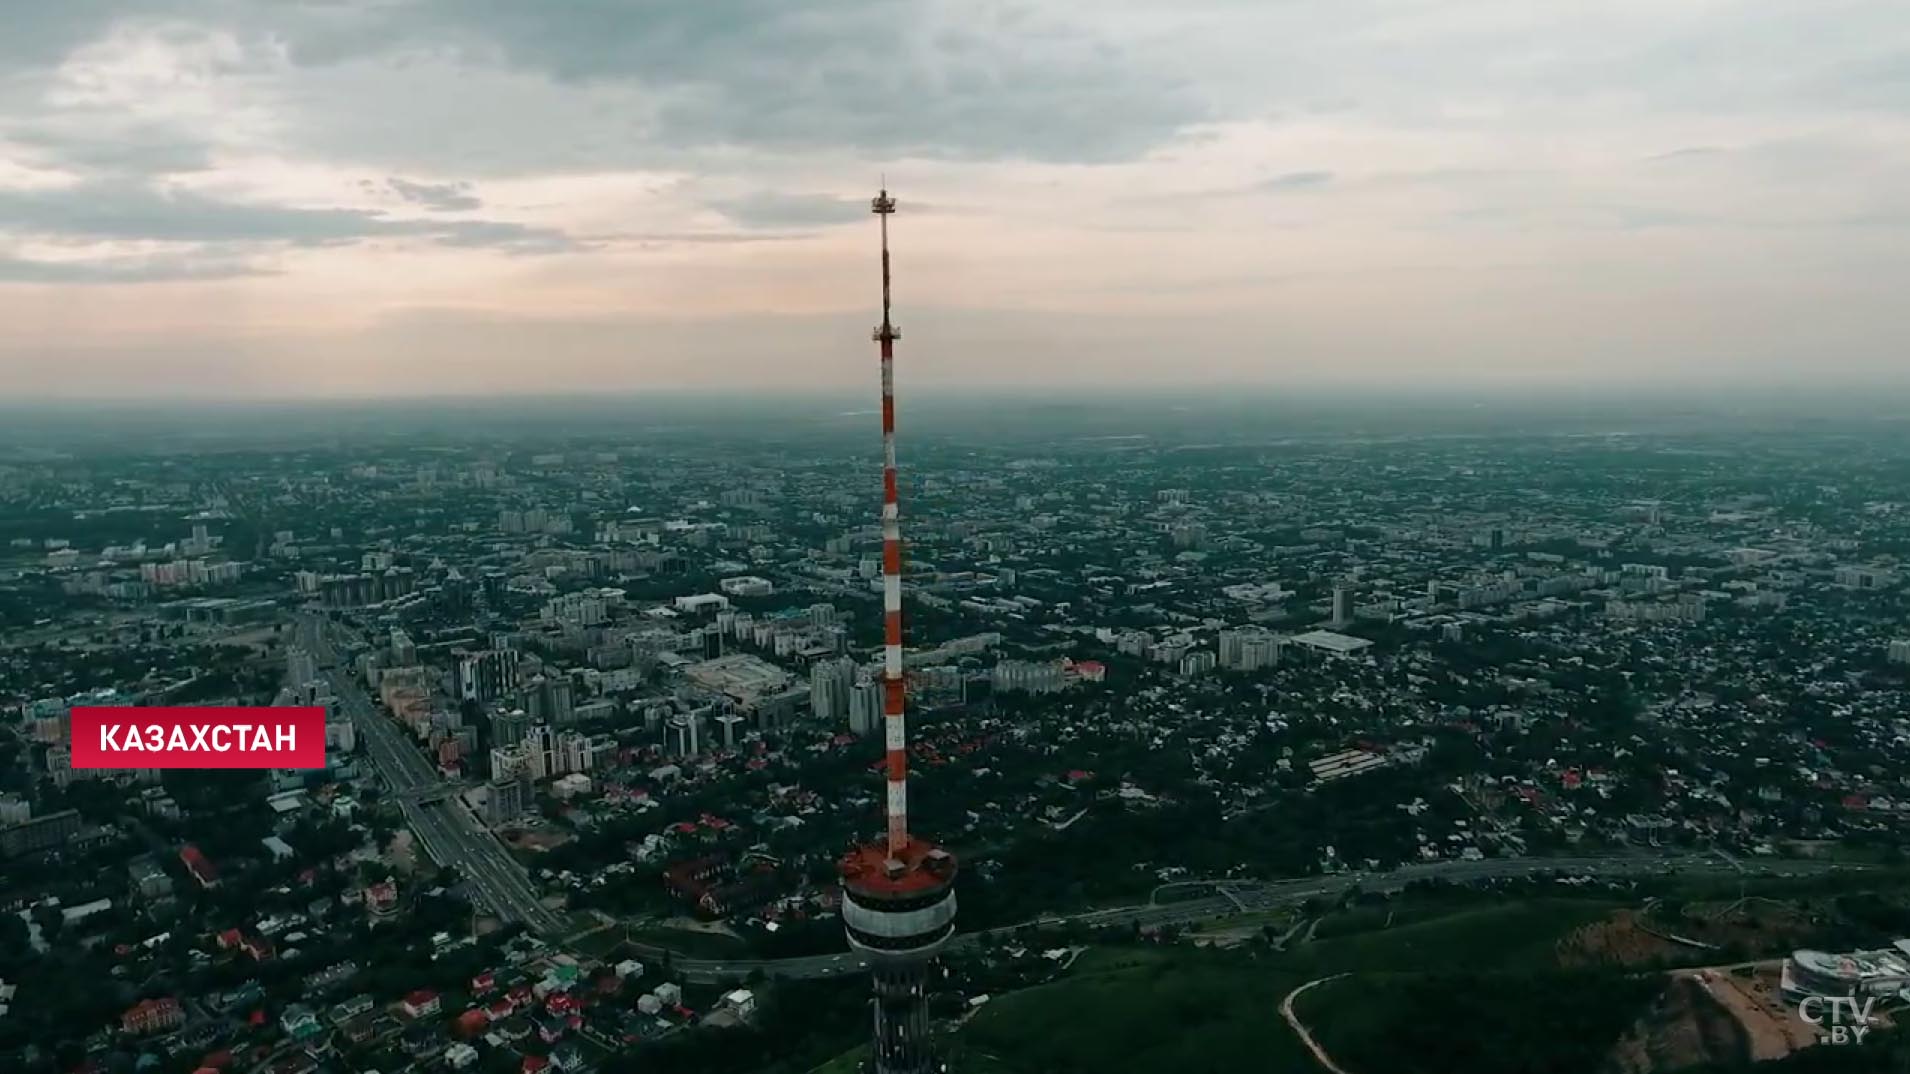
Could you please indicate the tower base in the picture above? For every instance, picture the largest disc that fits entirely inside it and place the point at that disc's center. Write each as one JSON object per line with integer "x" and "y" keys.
{"x": 899, "y": 911}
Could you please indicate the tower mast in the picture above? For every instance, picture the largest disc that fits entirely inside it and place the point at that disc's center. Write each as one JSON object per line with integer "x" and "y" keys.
{"x": 898, "y": 894}
{"x": 894, "y": 686}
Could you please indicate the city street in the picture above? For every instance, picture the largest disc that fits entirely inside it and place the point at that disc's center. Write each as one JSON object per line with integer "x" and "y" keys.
{"x": 442, "y": 825}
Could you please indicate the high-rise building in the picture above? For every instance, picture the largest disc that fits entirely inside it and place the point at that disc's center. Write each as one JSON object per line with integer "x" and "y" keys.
{"x": 301, "y": 666}
{"x": 830, "y": 682}
{"x": 1342, "y": 606}
{"x": 1248, "y": 649}
{"x": 559, "y": 702}
{"x": 540, "y": 751}
{"x": 684, "y": 734}
{"x": 404, "y": 654}
{"x": 504, "y": 800}
{"x": 485, "y": 675}
{"x": 508, "y": 728}
{"x": 341, "y": 736}
{"x": 576, "y": 752}
{"x": 1900, "y": 651}
{"x": 1229, "y": 647}
{"x": 865, "y": 706}
{"x": 898, "y": 893}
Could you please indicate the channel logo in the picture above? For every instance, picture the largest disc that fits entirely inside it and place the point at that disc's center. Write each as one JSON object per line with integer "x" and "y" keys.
{"x": 227, "y": 737}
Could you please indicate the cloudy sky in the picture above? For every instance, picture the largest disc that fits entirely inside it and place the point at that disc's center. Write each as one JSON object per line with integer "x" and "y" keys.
{"x": 217, "y": 198}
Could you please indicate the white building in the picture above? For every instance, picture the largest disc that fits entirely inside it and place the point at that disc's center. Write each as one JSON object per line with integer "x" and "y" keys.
{"x": 1329, "y": 642}
{"x": 300, "y": 666}
{"x": 1033, "y": 676}
{"x": 575, "y": 752}
{"x": 702, "y": 602}
{"x": 830, "y": 684}
{"x": 1198, "y": 662}
{"x": 742, "y": 1001}
{"x": 747, "y": 585}
{"x": 1336, "y": 766}
{"x": 684, "y": 734}
{"x": 575, "y": 785}
{"x": 865, "y": 706}
{"x": 1248, "y": 649}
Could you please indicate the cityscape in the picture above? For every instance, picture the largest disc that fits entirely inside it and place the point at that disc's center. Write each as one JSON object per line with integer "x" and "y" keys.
{"x": 605, "y": 709}
{"x": 1384, "y": 548}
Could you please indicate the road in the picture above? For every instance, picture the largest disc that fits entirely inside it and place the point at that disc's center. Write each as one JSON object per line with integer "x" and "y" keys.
{"x": 1243, "y": 897}
{"x": 445, "y": 828}
{"x": 1300, "y": 1030}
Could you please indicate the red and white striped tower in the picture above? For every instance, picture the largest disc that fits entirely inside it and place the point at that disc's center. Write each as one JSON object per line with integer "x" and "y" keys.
{"x": 898, "y": 904}
{"x": 894, "y": 687}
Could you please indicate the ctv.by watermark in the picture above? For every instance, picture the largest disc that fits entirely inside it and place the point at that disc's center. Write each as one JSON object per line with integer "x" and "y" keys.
{"x": 1839, "y": 1019}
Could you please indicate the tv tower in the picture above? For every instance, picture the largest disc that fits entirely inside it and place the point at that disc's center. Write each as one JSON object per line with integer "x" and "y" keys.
{"x": 898, "y": 894}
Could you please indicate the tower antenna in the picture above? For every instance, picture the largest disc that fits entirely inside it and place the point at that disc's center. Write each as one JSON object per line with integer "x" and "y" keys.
{"x": 898, "y": 894}
{"x": 894, "y": 686}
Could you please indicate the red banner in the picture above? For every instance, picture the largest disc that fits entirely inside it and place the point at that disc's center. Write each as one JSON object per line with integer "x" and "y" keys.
{"x": 232, "y": 737}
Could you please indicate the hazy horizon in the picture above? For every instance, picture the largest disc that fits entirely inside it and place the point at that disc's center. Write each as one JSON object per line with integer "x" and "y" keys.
{"x": 1034, "y": 419}
{"x": 215, "y": 199}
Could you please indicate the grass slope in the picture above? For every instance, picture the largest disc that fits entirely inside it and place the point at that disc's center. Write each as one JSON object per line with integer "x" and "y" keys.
{"x": 1491, "y": 1023}
{"x": 1181, "y": 1010}
{"x": 1193, "y": 1011}
{"x": 1520, "y": 935}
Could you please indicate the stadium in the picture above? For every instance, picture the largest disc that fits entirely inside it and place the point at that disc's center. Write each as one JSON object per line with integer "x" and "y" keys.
{"x": 1884, "y": 973}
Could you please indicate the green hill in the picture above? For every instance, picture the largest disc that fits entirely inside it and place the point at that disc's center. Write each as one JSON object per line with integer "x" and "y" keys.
{"x": 1190, "y": 1010}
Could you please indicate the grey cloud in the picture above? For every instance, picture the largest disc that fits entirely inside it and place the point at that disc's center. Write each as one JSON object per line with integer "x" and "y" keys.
{"x": 1873, "y": 82}
{"x": 115, "y": 210}
{"x": 1687, "y": 153}
{"x": 1584, "y": 215}
{"x": 127, "y": 269}
{"x": 138, "y": 150}
{"x": 446, "y": 196}
{"x": 893, "y": 77}
{"x": 1295, "y": 181}
{"x": 501, "y": 234}
{"x": 769, "y": 209}
{"x": 39, "y": 34}
{"x": 705, "y": 238}
{"x": 472, "y": 85}
{"x": 1287, "y": 182}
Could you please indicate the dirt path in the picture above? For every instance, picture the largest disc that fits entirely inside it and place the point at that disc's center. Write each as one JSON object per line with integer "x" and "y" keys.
{"x": 1300, "y": 1030}
{"x": 1774, "y": 1029}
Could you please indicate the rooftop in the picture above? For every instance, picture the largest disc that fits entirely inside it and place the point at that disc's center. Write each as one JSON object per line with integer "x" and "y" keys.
{"x": 920, "y": 868}
{"x": 1330, "y": 641}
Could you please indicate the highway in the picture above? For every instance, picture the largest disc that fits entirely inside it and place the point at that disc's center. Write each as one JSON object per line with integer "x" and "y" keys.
{"x": 446, "y": 830}
{"x": 1249, "y": 897}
